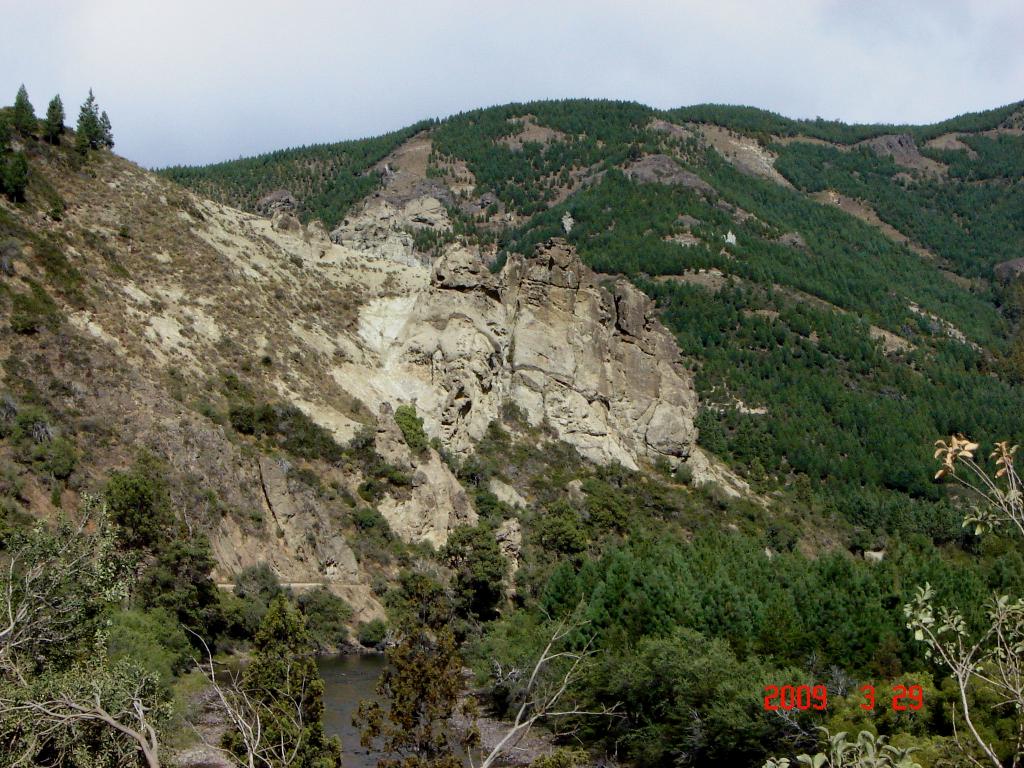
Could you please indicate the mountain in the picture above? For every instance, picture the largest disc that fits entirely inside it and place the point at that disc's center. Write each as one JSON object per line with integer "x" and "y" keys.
{"x": 678, "y": 372}
{"x": 777, "y": 249}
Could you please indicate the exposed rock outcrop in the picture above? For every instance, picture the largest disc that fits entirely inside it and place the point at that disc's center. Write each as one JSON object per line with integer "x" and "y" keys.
{"x": 278, "y": 200}
{"x": 1008, "y": 270}
{"x": 791, "y": 240}
{"x": 594, "y": 365}
{"x": 382, "y": 228}
{"x": 902, "y": 148}
{"x": 284, "y": 221}
{"x": 662, "y": 169}
{"x": 510, "y": 542}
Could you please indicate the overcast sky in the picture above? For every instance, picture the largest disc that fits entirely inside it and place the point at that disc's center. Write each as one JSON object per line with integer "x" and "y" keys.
{"x": 196, "y": 82}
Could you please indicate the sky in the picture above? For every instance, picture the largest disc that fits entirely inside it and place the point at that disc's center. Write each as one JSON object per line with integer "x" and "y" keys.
{"x": 188, "y": 82}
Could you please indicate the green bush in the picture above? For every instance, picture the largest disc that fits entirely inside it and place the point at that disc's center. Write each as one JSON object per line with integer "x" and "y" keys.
{"x": 412, "y": 428}
{"x": 558, "y": 530}
{"x": 327, "y": 617}
{"x": 369, "y": 519}
{"x": 371, "y": 634}
{"x": 152, "y": 638}
{"x": 139, "y": 502}
{"x": 36, "y": 444}
{"x": 480, "y": 570}
{"x": 15, "y": 173}
{"x": 288, "y": 426}
{"x": 178, "y": 580}
{"x": 56, "y": 457}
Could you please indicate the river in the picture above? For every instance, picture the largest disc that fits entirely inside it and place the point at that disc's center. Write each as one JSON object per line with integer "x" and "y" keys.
{"x": 348, "y": 680}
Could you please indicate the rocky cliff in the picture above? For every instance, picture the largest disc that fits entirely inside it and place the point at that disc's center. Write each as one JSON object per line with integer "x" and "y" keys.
{"x": 590, "y": 361}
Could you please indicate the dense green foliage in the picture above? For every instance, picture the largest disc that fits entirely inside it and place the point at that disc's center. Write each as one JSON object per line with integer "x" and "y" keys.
{"x": 479, "y": 571}
{"x": 412, "y": 428}
{"x": 971, "y": 225}
{"x": 751, "y": 120}
{"x": 15, "y": 177}
{"x": 693, "y": 626}
{"x": 410, "y": 723}
{"x": 327, "y": 617}
{"x": 59, "y": 587}
{"x": 287, "y": 426}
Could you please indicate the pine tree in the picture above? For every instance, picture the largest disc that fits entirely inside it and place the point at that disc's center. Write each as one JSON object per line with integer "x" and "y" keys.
{"x": 5, "y": 134}
{"x": 16, "y": 177}
{"x": 283, "y": 676}
{"x": 54, "y": 125}
{"x": 106, "y": 132}
{"x": 24, "y": 115}
{"x": 89, "y": 130}
{"x": 419, "y": 695}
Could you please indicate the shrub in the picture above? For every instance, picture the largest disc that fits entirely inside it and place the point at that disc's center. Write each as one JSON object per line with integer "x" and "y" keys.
{"x": 258, "y": 582}
{"x": 36, "y": 444}
{"x": 15, "y": 179}
{"x": 327, "y": 617}
{"x": 290, "y": 428}
{"x": 412, "y": 428}
{"x": 152, "y": 639}
{"x": 56, "y": 457}
{"x": 139, "y": 502}
{"x": 371, "y": 634}
{"x": 480, "y": 570}
{"x": 559, "y": 530}
{"x": 369, "y": 519}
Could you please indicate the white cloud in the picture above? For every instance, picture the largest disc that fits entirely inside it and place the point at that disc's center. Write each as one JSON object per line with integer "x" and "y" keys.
{"x": 198, "y": 81}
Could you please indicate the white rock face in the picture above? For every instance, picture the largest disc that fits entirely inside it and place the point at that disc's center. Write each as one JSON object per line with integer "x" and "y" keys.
{"x": 595, "y": 365}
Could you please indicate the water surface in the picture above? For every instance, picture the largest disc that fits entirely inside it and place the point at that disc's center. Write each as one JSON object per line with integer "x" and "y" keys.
{"x": 348, "y": 680}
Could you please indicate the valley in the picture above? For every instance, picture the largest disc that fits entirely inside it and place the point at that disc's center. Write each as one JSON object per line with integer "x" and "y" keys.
{"x": 671, "y": 378}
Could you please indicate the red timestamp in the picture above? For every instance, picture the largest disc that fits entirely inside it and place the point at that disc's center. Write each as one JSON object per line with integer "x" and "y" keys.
{"x": 905, "y": 698}
{"x": 789, "y": 697}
